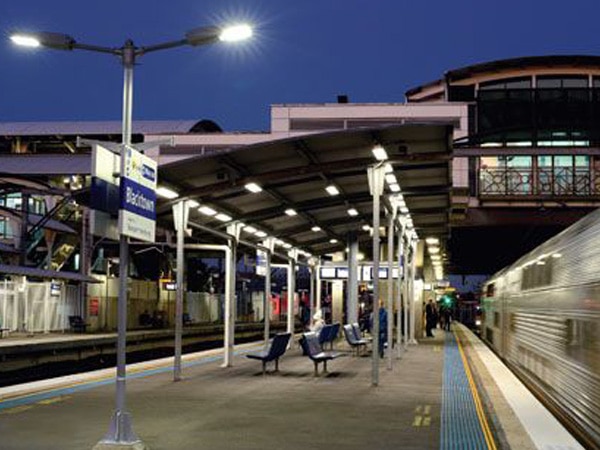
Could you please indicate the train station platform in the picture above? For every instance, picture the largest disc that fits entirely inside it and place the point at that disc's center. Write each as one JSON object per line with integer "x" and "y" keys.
{"x": 447, "y": 392}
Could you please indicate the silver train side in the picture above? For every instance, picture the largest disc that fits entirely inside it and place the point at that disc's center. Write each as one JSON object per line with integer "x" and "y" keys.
{"x": 542, "y": 316}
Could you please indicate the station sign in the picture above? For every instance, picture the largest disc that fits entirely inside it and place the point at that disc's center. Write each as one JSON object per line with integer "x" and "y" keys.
{"x": 104, "y": 193}
{"x": 137, "y": 214}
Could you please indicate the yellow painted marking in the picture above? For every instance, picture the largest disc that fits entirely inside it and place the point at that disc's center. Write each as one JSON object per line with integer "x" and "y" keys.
{"x": 427, "y": 409}
{"x": 489, "y": 438}
{"x": 49, "y": 401}
{"x": 418, "y": 420}
{"x": 426, "y": 421}
{"x": 437, "y": 348}
{"x": 419, "y": 409}
{"x": 17, "y": 409}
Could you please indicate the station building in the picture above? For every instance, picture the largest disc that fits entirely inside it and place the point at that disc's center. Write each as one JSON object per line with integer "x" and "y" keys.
{"x": 525, "y": 160}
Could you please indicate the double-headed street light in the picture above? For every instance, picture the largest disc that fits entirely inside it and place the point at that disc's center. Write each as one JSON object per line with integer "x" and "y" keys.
{"x": 121, "y": 434}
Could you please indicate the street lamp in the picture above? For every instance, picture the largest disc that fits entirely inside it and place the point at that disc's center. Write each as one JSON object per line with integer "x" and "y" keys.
{"x": 121, "y": 432}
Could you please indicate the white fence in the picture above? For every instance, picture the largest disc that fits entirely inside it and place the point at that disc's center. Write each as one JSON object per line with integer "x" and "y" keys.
{"x": 37, "y": 307}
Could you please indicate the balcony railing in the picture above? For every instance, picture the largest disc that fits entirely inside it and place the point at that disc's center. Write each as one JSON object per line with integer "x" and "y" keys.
{"x": 539, "y": 182}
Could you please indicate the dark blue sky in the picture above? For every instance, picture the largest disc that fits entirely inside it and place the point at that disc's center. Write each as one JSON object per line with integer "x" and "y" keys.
{"x": 304, "y": 51}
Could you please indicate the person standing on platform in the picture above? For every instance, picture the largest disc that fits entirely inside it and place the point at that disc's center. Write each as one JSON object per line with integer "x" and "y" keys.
{"x": 430, "y": 318}
{"x": 447, "y": 318}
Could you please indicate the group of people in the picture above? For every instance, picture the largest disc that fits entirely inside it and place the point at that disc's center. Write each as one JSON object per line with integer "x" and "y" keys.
{"x": 433, "y": 316}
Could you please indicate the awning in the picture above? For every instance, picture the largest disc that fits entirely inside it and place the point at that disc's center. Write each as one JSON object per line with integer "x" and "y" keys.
{"x": 42, "y": 273}
{"x": 294, "y": 172}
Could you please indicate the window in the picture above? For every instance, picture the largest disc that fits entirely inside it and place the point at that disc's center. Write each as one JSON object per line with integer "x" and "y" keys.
{"x": 561, "y": 81}
{"x": 508, "y": 83}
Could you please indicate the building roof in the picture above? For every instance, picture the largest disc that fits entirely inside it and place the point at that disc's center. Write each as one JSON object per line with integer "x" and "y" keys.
{"x": 42, "y": 164}
{"x": 512, "y": 63}
{"x": 6, "y": 269}
{"x": 75, "y": 128}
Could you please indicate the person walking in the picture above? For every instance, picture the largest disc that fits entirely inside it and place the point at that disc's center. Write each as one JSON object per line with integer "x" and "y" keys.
{"x": 430, "y": 318}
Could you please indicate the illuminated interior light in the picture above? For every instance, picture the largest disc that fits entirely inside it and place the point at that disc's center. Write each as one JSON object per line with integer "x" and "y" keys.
{"x": 394, "y": 187}
{"x": 379, "y": 153}
{"x": 207, "y": 210}
{"x": 432, "y": 241}
{"x": 433, "y": 250}
{"x": 291, "y": 212}
{"x": 316, "y": 228}
{"x": 253, "y": 187}
{"x": 491, "y": 144}
{"x": 223, "y": 217}
{"x": 352, "y": 212}
{"x": 166, "y": 192}
{"x": 333, "y": 241}
{"x": 332, "y": 190}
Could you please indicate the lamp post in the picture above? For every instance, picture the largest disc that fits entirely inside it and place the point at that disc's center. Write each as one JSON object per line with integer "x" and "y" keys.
{"x": 121, "y": 434}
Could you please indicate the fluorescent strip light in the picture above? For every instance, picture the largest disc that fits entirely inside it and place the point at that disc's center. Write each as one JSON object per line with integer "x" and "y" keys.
{"x": 316, "y": 228}
{"x": 404, "y": 210}
{"x": 332, "y": 190}
{"x": 391, "y": 178}
{"x": 193, "y": 203}
{"x": 379, "y": 153}
{"x": 388, "y": 168}
{"x": 366, "y": 227}
{"x": 352, "y": 212}
{"x": 432, "y": 241}
{"x": 433, "y": 250}
{"x": 166, "y": 192}
{"x": 253, "y": 187}
{"x": 207, "y": 210}
{"x": 286, "y": 245}
{"x": 290, "y": 212}
{"x": 250, "y": 229}
{"x": 333, "y": 241}
{"x": 223, "y": 217}
{"x": 394, "y": 187}
{"x": 260, "y": 234}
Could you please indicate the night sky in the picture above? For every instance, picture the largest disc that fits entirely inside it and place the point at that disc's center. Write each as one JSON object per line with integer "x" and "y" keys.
{"x": 304, "y": 51}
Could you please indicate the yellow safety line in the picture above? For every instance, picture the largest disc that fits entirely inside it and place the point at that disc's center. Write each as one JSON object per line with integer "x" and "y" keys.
{"x": 489, "y": 438}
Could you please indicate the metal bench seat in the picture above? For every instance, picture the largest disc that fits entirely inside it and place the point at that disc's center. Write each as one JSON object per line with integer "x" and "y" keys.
{"x": 273, "y": 352}
{"x": 314, "y": 351}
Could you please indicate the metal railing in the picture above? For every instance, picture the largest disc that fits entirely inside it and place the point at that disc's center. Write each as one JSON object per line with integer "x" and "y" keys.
{"x": 540, "y": 181}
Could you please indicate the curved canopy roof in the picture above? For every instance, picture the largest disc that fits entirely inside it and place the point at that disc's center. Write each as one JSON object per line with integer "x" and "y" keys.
{"x": 294, "y": 173}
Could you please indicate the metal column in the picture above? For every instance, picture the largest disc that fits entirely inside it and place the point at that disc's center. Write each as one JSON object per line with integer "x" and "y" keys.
{"x": 376, "y": 178}
{"x": 390, "y": 286}
{"x": 399, "y": 296}
{"x": 267, "y": 301}
{"x": 317, "y": 294}
{"x": 291, "y": 288}
{"x": 227, "y": 344}
{"x": 411, "y": 291}
{"x": 180, "y": 216}
{"x": 352, "y": 284}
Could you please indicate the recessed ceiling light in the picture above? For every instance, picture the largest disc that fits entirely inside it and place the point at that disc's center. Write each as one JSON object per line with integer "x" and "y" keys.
{"x": 253, "y": 187}
{"x": 352, "y": 212}
{"x": 316, "y": 228}
{"x": 166, "y": 192}
{"x": 207, "y": 210}
{"x": 291, "y": 212}
{"x": 394, "y": 187}
{"x": 193, "y": 203}
{"x": 379, "y": 153}
{"x": 223, "y": 217}
{"x": 333, "y": 241}
{"x": 260, "y": 234}
{"x": 332, "y": 190}
{"x": 250, "y": 229}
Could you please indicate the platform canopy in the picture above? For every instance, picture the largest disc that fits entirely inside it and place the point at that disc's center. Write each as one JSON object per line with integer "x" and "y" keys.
{"x": 32, "y": 272}
{"x": 294, "y": 173}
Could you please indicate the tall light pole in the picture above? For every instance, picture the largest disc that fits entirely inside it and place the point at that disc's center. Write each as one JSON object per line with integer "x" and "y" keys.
{"x": 121, "y": 434}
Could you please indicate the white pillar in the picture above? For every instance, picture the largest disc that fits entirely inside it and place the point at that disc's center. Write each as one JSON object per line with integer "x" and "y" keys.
{"x": 352, "y": 282}
{"x": 390, "y": 283}
{"x": 411, "y": 296}
{"x": 291, "y": 289}
{"x": 227, "y": 344}
{"x": 317, "y": 305}
{"x": 399, "y": 296}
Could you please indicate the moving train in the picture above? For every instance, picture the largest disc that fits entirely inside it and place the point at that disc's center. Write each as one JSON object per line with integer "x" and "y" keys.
{"x": 542, "y": 316}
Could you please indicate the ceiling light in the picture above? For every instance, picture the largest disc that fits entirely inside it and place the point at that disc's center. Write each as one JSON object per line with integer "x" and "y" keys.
{"x": 556, "y": 255}
{"x": 388, "y": 168}
{"x": 250, "y": 229}
{"x": 379, "y": 153}
{"x": 352, "y": 212}
{"x": 316, "y": 228}
{"x": 253, "y": 187}
{"x": 391, "y": 178}
{"x": 333, "y": 241}
{"x": 166, "y": 192}
{"x": 286, "y": 245}
{"x": 193, "y": 203}
{"x": 366, "y": 227}
{"x": 432, "y": 241}
{"x": 290, "y": 212}
{"x": 223, "y": 217}
{"x": 403, "y": 209}
{"x": 207, "y": 210}
{"x": 260, "y": 234}
{"x": 434, "y": 250}
{"x": 332, "y": 190}
{"x": 394, "y": 187}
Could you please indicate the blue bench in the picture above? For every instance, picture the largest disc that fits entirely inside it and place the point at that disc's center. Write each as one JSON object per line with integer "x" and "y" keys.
{"x": 314, "y": 351}
{"x": 354, "y": 341}
{"x": 274, "y": 352}
{"x": 329, "y": 334}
